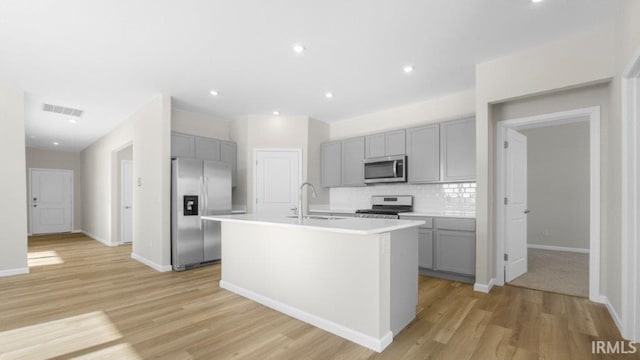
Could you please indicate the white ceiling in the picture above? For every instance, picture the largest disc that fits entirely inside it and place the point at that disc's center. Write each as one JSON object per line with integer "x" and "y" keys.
{"x": 107, "y": 57}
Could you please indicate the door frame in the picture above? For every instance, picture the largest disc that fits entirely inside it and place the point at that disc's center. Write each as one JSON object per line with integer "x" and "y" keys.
{"x": 557, "y": 118}
{"x": 65, "y": 171}
{"x": 630, "y": 272}
{"x": 254, "y": 198}
{"x": 122, "y": 162}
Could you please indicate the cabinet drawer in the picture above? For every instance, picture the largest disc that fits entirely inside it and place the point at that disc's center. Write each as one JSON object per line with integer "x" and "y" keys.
{"x": 456, "y": 224}
{"x": 428, "y": 221}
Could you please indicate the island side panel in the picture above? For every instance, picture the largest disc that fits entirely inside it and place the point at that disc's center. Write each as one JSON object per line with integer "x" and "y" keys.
{"x": 331, "y": 276}
{"x": 404, "y": 278}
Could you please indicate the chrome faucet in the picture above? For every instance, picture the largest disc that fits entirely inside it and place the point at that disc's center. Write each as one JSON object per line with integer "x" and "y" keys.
{"x": 300, "y": 208}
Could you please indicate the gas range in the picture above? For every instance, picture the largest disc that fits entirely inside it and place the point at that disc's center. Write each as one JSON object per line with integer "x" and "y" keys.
{"x": 387, "y": 207}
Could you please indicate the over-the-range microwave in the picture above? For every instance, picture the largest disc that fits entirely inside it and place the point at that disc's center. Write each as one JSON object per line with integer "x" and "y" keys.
{"x": 388, "y": 169}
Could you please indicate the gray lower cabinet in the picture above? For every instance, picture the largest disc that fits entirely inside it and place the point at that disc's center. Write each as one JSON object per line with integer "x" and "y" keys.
{"x": 423, "y": 152}
{"x": 353, "y": 162}
{"x": 425, "y": 248}
{"x": 183, "y": 146}
{"x": 207, "y": 149}
{"x": 331, "y": 164}
{"x": 447, "y": 247}
{"x": 456, "y": 252}
{"x": 458, "y": 150}
{"x": 229, "y": 154}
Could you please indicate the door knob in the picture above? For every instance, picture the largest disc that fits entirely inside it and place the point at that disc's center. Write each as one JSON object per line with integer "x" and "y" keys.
{"x": 527, "y": 211}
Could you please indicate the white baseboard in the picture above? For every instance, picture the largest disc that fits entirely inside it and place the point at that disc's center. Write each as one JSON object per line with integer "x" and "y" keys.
{"x": 96, "y": 238}
{"x": 614, "y": 315}
{"x": 484, "y": 288}
{"x": 151, "y": 264}
{"x": 77, "y": 231}
{"x": 558, "y": 248}
{"x": 375, "y": 344}
{"x": 12, "y": 272}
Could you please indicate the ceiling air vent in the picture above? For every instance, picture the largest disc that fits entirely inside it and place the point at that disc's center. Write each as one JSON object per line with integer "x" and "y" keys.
{"x": 62, "y": 110}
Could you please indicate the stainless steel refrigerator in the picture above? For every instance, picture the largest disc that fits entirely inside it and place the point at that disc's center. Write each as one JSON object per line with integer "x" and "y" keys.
{"x": 198, "y": 188}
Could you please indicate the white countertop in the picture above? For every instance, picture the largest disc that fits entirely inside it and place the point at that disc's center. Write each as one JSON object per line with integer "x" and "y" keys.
{"x": 430, "y": 213}
{"x": 346, "y": 225}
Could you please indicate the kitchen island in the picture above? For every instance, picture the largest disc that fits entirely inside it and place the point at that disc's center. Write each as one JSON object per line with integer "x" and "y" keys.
{"x": 356, "y": 278}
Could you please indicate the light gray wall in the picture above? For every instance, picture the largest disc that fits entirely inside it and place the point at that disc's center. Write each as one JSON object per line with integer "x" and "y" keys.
{"x": 558, "y": 185}
{"x": 51, "y": 159}
{"x": 13, "y": 189}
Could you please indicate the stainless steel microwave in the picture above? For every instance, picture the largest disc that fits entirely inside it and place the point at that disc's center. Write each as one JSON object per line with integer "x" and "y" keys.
{"x": 385, "y": 169}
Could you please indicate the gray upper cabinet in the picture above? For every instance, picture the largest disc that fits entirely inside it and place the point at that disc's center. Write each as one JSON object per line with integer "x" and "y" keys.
{"x": 458, "y": 150}
{"x": 353, "y": 162}
{"x": 331, "y": 164}
{"x": 229, "y": 154}
{"x": 385, "y": 144}
{"x": 423, "y": 151}
{"x": 375, "y": 146}
{"x": 207, "y": 149}
{"x": 183, "y": 146}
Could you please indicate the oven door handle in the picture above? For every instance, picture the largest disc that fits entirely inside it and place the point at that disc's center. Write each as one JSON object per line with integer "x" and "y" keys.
{"x": 395, "y": 168}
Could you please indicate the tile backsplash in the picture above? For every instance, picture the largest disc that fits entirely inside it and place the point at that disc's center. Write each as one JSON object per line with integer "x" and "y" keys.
{"x": 426, "y": 197}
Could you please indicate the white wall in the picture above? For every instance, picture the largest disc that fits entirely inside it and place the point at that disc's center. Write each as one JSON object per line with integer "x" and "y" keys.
{"x": 13, "y": 189}
{"x": 558, "y": 185}
{"x": 578, "y": 60}
{"x": 197, "y": 124}
{"x": 148, "y": 129}
{"x": 454, "y": 106}
{"x": 265, "y": 132}
{"x": 51, "y": 159}
{"x": 318, "y": 133}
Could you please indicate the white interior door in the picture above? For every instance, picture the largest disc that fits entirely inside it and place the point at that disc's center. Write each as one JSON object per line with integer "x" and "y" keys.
{"x": 126, "y": 188}
{"x": 51, "y": 201}
{"x": 516, "y": 207}
{"x": 277, "y": 180}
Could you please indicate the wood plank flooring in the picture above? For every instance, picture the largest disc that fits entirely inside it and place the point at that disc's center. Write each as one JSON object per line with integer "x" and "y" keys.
{"x": 85, "y": 300}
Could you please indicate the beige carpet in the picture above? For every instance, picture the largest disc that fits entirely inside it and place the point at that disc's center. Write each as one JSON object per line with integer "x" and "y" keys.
{"x": 556, "y": 271}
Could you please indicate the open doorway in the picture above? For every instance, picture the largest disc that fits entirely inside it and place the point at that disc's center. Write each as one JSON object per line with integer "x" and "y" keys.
{"x": 125, "y": 191}
{"x": 548, "y": 188}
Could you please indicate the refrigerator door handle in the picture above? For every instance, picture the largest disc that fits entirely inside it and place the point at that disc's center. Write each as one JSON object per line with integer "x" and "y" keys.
{"x": 201, "y": 198}
{"x": 206, "y": 195}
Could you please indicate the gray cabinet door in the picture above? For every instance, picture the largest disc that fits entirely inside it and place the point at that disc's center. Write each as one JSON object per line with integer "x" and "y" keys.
{"x": 353, "y": 162}
{"x": 207, "y": 149}
{"x": 458, "y": 160}
{"x": 456, "y": 252}
{"x": 183, "y": 146}
{"x": 229, "y": 154}
{"x": 425, "y": 248}
{"x": 331, "y": 164}
{"x": 375, "y": 146}
{"x": 395, "y": 143}
{"x": 423, "y": 152}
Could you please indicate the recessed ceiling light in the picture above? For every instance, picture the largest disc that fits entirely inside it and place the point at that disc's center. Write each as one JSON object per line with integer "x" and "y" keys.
{"x": 407, "y": 69}
{"x": 328, "y": 95}
{"x": 56, "y": 143}
{"x": 536, "y": 1}
{"x": 298, "y": 48}
{"x": 213, "y": 93}
{"x": 73, "y": 121}
{"x": 276, "y": 113}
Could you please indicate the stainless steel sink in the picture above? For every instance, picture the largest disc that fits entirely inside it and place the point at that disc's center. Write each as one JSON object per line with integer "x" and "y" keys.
{"x": 317, "y": 217}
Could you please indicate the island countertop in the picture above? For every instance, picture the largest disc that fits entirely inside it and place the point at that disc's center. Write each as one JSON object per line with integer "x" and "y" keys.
{"x": 345, "y": 225}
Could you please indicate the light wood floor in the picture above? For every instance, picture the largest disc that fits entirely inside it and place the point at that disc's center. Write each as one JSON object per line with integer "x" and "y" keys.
{"x": 92, "y": 301}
